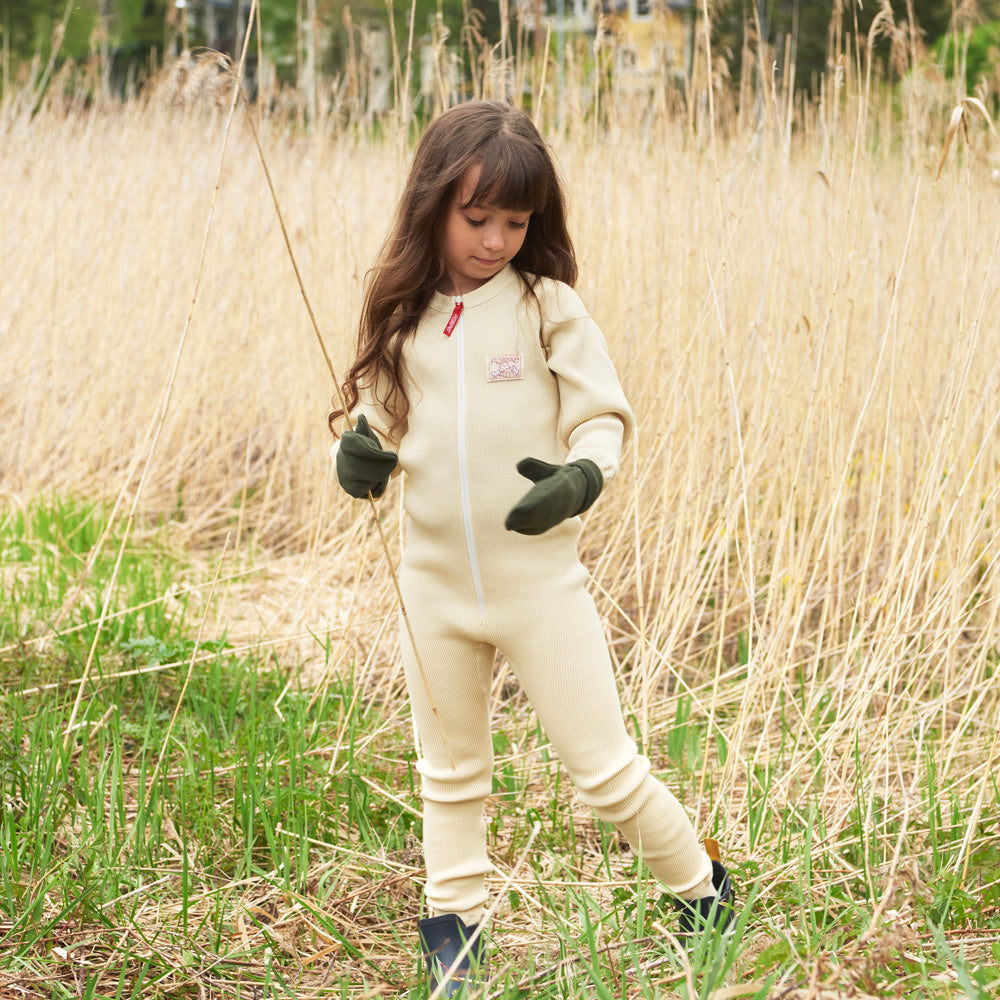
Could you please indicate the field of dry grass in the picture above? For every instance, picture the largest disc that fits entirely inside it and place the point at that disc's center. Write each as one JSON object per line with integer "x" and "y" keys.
{"x": 800, "y": 557}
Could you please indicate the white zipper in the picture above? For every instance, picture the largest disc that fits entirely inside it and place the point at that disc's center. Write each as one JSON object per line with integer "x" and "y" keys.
{"x": 463, "y": 464}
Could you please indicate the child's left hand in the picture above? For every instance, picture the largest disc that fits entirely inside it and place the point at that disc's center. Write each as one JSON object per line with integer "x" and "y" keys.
{"x": 560, "y": 491}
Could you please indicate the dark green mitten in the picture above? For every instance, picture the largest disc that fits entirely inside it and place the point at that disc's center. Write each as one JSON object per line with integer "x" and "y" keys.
{"x": 363, "y": 465}
{"x": 560, "y": 491}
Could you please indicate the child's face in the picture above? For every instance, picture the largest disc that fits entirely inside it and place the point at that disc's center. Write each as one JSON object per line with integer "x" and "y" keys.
{"x": 479, "y": 240}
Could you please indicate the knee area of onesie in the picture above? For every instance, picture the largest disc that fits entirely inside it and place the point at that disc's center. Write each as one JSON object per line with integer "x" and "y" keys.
{"x": 622, "y": 796}
{"x": 468, "y": 782}
{"x": 454, "y": 795}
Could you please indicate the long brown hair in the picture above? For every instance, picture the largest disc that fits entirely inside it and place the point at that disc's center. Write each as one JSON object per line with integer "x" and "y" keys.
{"x": 517, "y": 174}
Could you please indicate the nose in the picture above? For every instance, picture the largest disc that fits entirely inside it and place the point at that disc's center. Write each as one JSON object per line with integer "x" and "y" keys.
{"x": 493, "y": 238}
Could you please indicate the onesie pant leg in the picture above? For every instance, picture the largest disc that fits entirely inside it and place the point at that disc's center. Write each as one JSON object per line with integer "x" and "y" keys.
{"x": 459, "y": 670}
{"x": 560, "y": 656}
{"x": 552, "y": 635}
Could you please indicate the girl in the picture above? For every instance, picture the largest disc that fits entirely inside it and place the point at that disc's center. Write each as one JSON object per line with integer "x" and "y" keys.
{"x": 478, "y": 368}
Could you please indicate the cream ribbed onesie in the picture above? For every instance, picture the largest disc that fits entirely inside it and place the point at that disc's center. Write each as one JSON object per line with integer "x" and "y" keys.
{"x": 516, "y": 376}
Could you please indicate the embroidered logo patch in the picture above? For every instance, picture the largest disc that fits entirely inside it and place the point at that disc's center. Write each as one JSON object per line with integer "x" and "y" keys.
{"x": 504, "y": 368}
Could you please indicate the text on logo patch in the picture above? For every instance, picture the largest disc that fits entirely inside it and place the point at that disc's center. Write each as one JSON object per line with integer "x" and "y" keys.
{"x": 504, "y": 368}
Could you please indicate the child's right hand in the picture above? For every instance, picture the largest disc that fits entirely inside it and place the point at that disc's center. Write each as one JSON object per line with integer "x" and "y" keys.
{"x": 363, "y": 465}
{"x": 560, "y": 491}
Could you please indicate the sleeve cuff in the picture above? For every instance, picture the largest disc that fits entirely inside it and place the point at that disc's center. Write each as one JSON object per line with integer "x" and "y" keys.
{"x": 600, "y": 441}
{"x": 594, "y": 479}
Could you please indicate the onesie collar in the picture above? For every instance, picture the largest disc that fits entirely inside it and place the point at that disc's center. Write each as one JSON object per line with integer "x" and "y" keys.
{"x": 492, "y": 288}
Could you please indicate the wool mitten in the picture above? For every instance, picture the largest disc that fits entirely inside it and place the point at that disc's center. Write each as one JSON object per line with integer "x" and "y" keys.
{"x": 560, "y": 491}
{"x": 363, "y": 465}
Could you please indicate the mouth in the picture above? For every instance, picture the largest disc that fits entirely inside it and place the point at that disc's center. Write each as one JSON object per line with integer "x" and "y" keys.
{"x": 488, "y": 263}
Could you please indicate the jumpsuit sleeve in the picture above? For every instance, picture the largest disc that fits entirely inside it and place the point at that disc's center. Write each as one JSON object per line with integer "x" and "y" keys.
{"x": 595, "y": 419}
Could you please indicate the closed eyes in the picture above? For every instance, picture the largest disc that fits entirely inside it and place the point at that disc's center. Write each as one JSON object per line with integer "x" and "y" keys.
{"x": 476, "y": 223}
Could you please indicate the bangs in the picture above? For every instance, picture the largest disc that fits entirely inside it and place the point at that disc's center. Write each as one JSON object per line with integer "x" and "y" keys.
{"x": 513, "y": 177}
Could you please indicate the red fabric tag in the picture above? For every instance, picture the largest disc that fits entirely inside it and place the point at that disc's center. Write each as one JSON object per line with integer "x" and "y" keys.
{"x": 453, "y": 319}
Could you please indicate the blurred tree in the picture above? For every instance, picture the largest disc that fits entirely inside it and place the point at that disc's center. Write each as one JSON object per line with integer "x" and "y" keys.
{"x": 139, "y": 35}
{"x": 21, "y": 21}
{"x": 29, "y": 27}
{"x": 126, "y": 29}
{"x": 483, "y": 16}
{"x": 806, "y": 26}
{"x": 977, "y": 51}
{"x": 133, "y": 34}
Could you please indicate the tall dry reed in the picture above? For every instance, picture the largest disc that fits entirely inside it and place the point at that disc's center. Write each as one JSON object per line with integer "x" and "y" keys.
{"x": 803, "y": 535}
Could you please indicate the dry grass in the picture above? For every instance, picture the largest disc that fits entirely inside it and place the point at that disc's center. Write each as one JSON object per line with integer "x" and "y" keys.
{"x": 803, "y": 537}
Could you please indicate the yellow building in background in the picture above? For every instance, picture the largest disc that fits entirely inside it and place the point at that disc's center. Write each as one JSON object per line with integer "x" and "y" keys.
{"x": 652, "y": 40}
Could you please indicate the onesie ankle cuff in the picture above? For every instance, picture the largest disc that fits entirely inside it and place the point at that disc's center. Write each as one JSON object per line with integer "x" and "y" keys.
{"x": 468, "y": 917}
{"x": 703, "y": 890}
{"x": 594, "y": 481}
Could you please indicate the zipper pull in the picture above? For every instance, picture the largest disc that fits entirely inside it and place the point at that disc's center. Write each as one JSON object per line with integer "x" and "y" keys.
{"x": 453, "y": 319}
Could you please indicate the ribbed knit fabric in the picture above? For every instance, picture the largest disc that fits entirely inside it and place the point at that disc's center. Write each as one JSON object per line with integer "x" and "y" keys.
{"x": 517, "y": 377}
{"x": 550, "y": 632}
{"x": 703, "y": 890}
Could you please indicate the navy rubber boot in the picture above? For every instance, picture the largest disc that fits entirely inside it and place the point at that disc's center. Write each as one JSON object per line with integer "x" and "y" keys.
{"x": 718, "y": 913}
{"x": 441, "y": 939}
